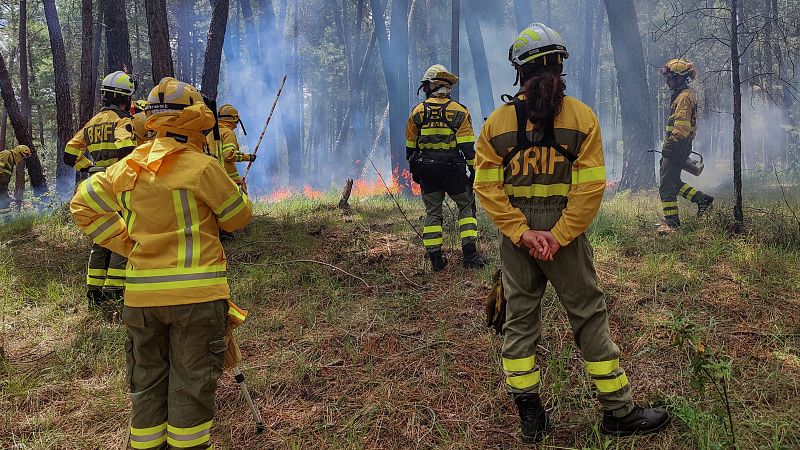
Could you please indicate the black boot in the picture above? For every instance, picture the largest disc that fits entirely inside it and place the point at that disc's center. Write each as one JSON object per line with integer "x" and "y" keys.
{"x": 438, "y": 260}
{"x": 95, "y": 297}
{"x": 473, "y": 259}
{"x": 639, "y": 421}
{"x": 532, "y": 416}
{"x": 704, "y": 203}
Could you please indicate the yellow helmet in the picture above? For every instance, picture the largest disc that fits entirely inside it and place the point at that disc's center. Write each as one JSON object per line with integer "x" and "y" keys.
{"x": 228, "y": 113}
{"x": 177, "y": 104}
{"x": 139, "y": 106}
{"x": 680, "y": 67}
{"x": 438, "y": 74}
{"x": 22, "y": 150}
{"x": 118, "y": 82}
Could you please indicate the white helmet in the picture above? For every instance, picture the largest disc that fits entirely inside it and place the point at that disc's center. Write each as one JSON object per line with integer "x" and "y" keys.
{"x": 118, "y": 82}
{"x": 438, "y": 73}
{"x": 536, "y": 41}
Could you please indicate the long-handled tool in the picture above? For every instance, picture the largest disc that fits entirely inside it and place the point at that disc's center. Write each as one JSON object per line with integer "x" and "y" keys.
{"x": 239, "y": 377}
{"x": 264, "y": 130}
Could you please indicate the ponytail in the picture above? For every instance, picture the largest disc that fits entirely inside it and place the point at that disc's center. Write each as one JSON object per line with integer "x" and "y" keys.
{"x": 544, "y": 89}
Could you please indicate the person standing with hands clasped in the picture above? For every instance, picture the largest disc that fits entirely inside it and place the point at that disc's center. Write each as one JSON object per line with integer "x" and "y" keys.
{"x": 540, "y": 176}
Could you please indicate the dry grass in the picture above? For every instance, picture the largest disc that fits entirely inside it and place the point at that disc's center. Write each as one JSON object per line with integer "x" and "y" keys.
{"x": 404, "y": 361}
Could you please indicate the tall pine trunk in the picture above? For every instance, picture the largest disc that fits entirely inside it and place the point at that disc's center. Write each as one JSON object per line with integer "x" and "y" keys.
{"x": 637, "y": 128}
{"x": 400, "y": 109}
{"x": 738, "y": 211}
{"x": 64, "y": 174}
{"x": 88, "y": 75}
{"x": 455, "y": 42}
{"x": 158, "y": 34}
{"x": 479, "y": 61}
{"x": 213, "y": 55}
{"x": 118, "y": 46}
{"x": 22, "y": 130}
{"x": 24, "y": 95}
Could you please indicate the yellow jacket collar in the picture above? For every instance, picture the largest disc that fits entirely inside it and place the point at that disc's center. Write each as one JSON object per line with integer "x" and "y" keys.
{"x": 168, "y": 140}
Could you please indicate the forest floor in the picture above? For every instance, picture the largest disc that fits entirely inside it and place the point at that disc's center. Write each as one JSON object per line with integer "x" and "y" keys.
{"x": 373, "y": 351}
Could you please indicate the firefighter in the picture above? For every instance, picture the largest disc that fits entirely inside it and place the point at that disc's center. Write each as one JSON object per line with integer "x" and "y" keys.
{"x": 107, "y": 137}
{"x": 440, "y": 152}
{"x": 8, "y": 163}
{"x": 228, "y": 153}
{"x": 681, "y": 130}
{"x": 173, "y": 201}
{"x": 540, "y": 176}
{"x": 140, "y": 133}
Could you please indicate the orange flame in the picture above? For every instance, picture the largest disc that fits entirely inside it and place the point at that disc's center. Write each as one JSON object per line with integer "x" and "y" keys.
{"x": 399, "y": 182}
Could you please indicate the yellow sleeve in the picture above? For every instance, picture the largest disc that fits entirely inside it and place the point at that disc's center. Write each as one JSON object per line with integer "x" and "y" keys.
{"x": 5, "y": 163}
{"x": 489, "y": 186}
{"x": 412, "y": 134}
{"x": 465, "y": 140}
{"x": 95, "y": 210}
{"x": 681, "y": 118}
{"x": 75, "y": 153}
{"x": 228, "y": 201}
{"x": 230, "y": 147}
{"x": 123, "y": 136}
{"x": 586, "y": 191}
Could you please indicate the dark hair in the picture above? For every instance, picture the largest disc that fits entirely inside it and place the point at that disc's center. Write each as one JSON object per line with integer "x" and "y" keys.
{"x": 545, "y": 89}
{"x": 115, "y": 99}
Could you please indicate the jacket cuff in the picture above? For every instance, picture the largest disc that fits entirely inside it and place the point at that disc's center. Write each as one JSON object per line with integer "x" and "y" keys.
{"x": 562, "y": 239}
{"x": 516, "y": 235}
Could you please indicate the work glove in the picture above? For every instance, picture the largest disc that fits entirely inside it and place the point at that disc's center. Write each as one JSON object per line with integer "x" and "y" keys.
{"x": 236, "y": 316}
{"x": 95, "y": 169}
{"x": 496, "y": 304}
{"x": 251, "y": 157}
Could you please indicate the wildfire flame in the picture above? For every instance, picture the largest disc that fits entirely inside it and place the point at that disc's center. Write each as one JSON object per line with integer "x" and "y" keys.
{"x": 399, "y": 182}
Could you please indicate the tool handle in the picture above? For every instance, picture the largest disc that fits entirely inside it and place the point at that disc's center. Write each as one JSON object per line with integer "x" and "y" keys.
{"x": 239, "y": 378}
{"x": 266, "y": 124}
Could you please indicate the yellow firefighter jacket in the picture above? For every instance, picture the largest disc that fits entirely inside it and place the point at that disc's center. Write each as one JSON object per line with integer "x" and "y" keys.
{"x": 173, "y": 201}
{"x": 440, "y": 126}
{"x": 228, "y": 149}
{"x": 682, "y": 121}
{"x": 8, "y": 162}
{"x": 108, "y": 137}
{"x": 140, "y": 133}
{"x": 541, "y": 175}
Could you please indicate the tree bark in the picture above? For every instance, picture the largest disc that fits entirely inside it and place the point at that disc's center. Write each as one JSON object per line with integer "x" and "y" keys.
{"x": 455, "y": 40}
{"x": 88, "y": 77}
{"x": 400, "y": 109}
{"x": 25, "y": 92}
{"x": 118, "y": 46}
{"x": 637, "y": 130}
{"x": 64, "y": 174}
{"x": 738, "y": 211}
{"x": 213, "y": 55}
{"x": 158, "y": 34}
{"x": 21, "y": 130}
{"x": 480, "y": 63}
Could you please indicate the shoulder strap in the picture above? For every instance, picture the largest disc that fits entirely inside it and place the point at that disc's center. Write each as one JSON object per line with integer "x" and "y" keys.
{"x": 548, "y": 140}
{"x": 427, "y": 117}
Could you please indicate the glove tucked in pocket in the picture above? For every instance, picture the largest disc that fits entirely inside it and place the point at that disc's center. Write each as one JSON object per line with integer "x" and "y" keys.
{"x": 496, "y": 304}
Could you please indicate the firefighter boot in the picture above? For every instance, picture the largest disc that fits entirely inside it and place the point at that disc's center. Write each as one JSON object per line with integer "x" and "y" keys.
{"x": 96, "y": 297}
{"x": 704, "y": 203}
{"x": 532, "y": 416}
{"x": 438, "y": 260}
{"x": 638, "y": 421}
{"x": 472, "y": 259}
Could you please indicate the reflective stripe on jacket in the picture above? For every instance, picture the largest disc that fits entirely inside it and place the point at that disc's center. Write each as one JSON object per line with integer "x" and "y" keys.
{"x": 682, "y": 121}
{"x": 436, "y": 136}
{"x": 163, "y": 207}
{"x": 108, "y": 137}
{"x": 229, "y": 148}
{"x": 542, "y": 175}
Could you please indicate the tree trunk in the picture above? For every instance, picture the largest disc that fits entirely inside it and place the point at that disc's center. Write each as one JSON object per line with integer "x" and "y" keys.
{"x": 25, "y": 92}
{"x": 400, "y": 109}
{"x": 64, "y": 174}
{"x": 253, "y": 46}
{"x": 118, "y": 46}
{"x": 455, "y": 40}
{"x": 183, "y": 50}
{"x": 97, "y": 37}
{"x": 738, "y": 212}
{"x": 523, "y": 13}
{"x": 87, "y": 95}
{"x": 293, "y": 127}
{"x": 637, "y": 164}
{"x": 158, "y": 34}
{"x": 213, "y": 55}
{"x": 21, "y": 130}
{"x": 479, "y": 61}
{"x": 3, "y": 129}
